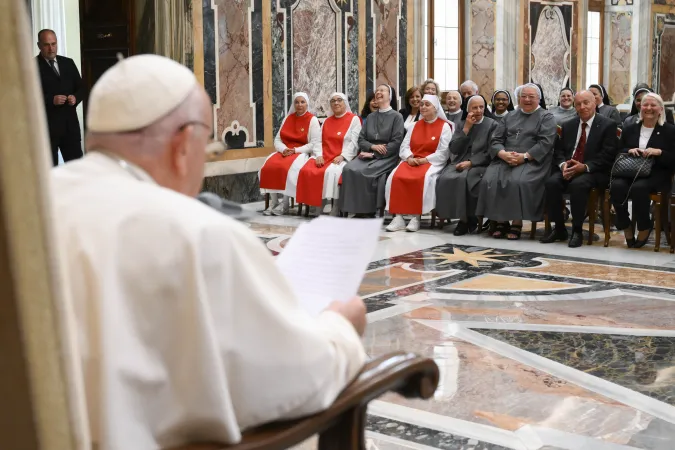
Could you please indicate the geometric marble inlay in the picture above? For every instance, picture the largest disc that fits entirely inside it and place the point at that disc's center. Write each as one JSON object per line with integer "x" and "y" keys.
{"x": 645, "y": 364}
{"x": 494, "y": 282}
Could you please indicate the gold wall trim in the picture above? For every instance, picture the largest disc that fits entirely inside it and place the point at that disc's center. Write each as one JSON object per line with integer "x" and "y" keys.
{"x": 362, "y": 51}
{"x": 244, "y": 153}
{"x": 267, "y": 71}
{"x": 198, "y": 40}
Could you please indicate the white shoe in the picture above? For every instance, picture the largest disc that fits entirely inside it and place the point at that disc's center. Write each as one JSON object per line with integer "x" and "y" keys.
{"x": 281, "y": 209}
{"x": 414, "y": 224}
{"x": 268, "y": 211}
{"x": 398, "y": 224}
{"x": 327, "y": 209}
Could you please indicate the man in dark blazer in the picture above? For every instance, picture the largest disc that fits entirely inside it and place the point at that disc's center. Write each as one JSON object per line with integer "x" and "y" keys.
{"x": 582, "y": 159}
{"x": 63, "y": 90}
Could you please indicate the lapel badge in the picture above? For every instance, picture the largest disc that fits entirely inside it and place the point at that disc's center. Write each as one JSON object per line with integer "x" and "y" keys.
{"x": 433, "y": 138}
{"x": 339, "y": 133}
{"x": 302, "y": 129}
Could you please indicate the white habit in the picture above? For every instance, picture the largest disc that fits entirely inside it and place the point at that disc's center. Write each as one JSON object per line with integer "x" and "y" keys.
{"x": 186, "y": 329}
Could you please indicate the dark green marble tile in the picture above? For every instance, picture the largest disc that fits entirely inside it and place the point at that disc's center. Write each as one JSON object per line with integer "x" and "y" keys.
{"x": 642, "y": 363}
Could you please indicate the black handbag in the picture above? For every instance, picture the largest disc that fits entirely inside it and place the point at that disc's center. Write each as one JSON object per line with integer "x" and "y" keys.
{"x": 628, "y": 166}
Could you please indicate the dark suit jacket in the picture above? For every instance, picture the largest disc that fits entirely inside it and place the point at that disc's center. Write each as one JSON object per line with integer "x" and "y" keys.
{"x": 601, "y": 146}
{"x": 404, "y": 112}
{"x": 62, "y": 119}
{"x": 663, "y": 138}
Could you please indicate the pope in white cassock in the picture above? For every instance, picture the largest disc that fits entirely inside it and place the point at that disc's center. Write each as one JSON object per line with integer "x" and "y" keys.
{"x": 186, "y": 331}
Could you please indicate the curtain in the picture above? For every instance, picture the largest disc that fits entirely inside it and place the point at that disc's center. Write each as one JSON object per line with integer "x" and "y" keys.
{"x": 49, "y": 14}
{"x": 173, "y": 30}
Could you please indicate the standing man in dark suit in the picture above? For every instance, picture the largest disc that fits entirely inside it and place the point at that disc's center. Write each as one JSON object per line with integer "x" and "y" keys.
{"x": 63, "y": 90}
{"x": 583, "y": 157}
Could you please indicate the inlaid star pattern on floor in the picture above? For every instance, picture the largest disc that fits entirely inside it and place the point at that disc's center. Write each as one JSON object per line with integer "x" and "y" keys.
{"x": 472, "y": 258}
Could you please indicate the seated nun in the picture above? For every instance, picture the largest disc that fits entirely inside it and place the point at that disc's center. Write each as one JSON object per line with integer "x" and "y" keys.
{"x": 411, "y": 112}
{"x": 364, "y": 178}
{"x": 369, "y": 106}
{"x": 186, "y": 328}
{"x": 512, "y": 188}
{"x": 502, "y": 104}
{"x": 318, "y": 180}
{"x": 410, "y": 188}
{"x": 299, "y": 137}
{"x": 565, "y": 109}
{"x": 453, "y": 101}
{"x": 458, "y": 184}
{"x": 602, "y": 103}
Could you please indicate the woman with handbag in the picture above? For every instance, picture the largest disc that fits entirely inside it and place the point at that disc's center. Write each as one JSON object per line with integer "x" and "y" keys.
{"x": 645, "y": 165}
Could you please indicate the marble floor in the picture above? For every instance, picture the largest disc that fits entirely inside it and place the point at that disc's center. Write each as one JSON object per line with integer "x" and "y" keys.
{"x": 539, "y": 346}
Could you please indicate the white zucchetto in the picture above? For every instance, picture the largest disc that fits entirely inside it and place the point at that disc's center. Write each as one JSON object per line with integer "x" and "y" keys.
{"x": 137, "y": 92}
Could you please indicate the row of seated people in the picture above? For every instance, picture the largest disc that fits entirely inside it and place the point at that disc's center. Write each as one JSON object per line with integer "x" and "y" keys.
{"x": 505, "y": 170}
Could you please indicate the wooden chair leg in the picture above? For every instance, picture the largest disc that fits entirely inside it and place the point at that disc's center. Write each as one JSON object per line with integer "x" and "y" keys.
{"x": 267, "y": 201}
{"x": 665, "y": 203}
{"x": 292, "y": 202}
{"x": 592, "y": 214}
{"x": 533, "y": 231}
{"x": 657, "y": 224}
{"x": 441, "y": 223}
{"x": 433, "y": 219}
{"x": 607, "y": 217}
{"x": 547, "y": 224}
{"x": 672, "y": 224}
{"x": 306, "y": 210}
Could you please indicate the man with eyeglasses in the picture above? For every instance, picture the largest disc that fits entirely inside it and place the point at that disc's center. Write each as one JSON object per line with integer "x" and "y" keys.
{"x": 186, "y": 330}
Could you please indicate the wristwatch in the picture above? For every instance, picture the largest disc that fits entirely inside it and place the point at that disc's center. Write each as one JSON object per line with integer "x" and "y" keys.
{"x": 526, "y": 159}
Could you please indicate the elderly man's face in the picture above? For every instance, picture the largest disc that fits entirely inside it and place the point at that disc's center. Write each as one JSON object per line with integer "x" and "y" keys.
{"x": 189, "y": 148}
{"x": 529, "y": 99}
{"x": 467, "y": 91}
{"x": 584, "y": 103}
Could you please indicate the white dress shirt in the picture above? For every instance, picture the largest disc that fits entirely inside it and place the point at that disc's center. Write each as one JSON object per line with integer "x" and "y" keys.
{"x": 56, "y": 65}
{"x": 589, "y": 125}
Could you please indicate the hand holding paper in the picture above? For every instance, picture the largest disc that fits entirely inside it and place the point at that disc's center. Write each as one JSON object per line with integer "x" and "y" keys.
{"x": 326, "y": 259}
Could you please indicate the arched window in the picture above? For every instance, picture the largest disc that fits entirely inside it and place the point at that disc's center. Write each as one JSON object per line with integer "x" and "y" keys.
{"x": 443, "y": 54}
{"x": 594, "y": 42}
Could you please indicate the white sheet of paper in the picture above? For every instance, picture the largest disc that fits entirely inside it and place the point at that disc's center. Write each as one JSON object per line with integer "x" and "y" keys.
{"x": 326, "y": 259}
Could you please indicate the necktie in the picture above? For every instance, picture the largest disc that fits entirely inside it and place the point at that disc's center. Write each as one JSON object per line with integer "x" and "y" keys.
{"x": 52, "y": 63}
{"x": 581, "y": 146}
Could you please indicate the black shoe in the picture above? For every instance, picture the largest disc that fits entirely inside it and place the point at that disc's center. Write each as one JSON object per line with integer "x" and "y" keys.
{"x": 555, "y": 235}
{"x": 639, "y": 243}
{"x": 576, "y": 240}
{"x": 461, "y": 229}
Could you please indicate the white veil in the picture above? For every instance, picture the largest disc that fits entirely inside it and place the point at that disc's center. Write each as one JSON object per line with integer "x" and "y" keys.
{"x": 348, "y": 108}
{"x": 291, "y": 110}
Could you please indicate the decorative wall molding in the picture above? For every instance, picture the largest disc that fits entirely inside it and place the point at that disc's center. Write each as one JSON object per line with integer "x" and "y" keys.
{"x": 663, "y": 61}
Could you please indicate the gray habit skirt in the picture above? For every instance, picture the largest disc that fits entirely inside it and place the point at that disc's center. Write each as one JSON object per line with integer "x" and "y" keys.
{"x": 363, "y": 183}
{"x": 457, "y": 192}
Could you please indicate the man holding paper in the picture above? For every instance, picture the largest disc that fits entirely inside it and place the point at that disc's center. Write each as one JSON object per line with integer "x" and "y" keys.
{"x": 186, "y": 329}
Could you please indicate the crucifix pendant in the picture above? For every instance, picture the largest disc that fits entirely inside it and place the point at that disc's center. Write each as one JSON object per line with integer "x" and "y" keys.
{"x": 517, "y": 134}
{"x": 377, "y": 135}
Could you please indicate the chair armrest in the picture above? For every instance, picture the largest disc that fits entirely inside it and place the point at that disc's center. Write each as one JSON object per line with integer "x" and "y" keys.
{"x": 405, "y": 373}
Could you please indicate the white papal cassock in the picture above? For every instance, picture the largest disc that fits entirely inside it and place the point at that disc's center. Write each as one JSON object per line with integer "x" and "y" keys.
{"x": 186, "y": 329}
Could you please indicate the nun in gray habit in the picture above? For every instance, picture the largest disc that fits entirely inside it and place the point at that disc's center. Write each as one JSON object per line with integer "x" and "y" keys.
{"x": 521, "y": 150}
{"x": 458, "y": 184}
{"x": 364, "y": 178}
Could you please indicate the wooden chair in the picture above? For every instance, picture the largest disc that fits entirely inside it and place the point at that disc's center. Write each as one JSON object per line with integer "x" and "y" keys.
{"x": 342, "y": 425}
{"x": 661, "y": 206}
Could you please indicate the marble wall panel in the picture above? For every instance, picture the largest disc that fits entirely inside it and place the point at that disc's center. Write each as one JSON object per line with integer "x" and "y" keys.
{"x": 352, "y": 75}
{"x": 209, "y": 39}
{"x": 234, "y": 43}
{"x": 483, "y": 32}
{"x": 386, "y": 52}
{"x": 315, "y": 61}
{"x": 240, "y": 187}
{"x": 661, "y": 2}
{"x": 620, "y": 56}
{"x": 550, "y": 59}
{"x": 663, "y": 60}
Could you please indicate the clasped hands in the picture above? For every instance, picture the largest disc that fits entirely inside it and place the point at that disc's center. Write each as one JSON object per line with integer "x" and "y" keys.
{"x": 379, "y": 148}
{"x": 572, "y": 168}
{"x": 465, "y": 165}
{"x": 417, "y": 161}
{"x": 62, "y": 99}
{"x": 646, "y": 153}
{"x": 513, "y": 159}
{"x": 288, "y": 152}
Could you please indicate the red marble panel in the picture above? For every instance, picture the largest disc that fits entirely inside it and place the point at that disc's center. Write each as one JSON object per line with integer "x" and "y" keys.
{"x": 386, "y": 47}
{"x": 667, "y": 63}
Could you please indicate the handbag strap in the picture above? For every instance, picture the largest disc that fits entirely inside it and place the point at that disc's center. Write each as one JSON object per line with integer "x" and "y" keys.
{"x": 611, "y": 177}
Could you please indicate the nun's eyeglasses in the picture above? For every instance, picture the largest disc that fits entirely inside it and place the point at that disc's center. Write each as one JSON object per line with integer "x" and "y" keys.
{"x": 336, "y": 100}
